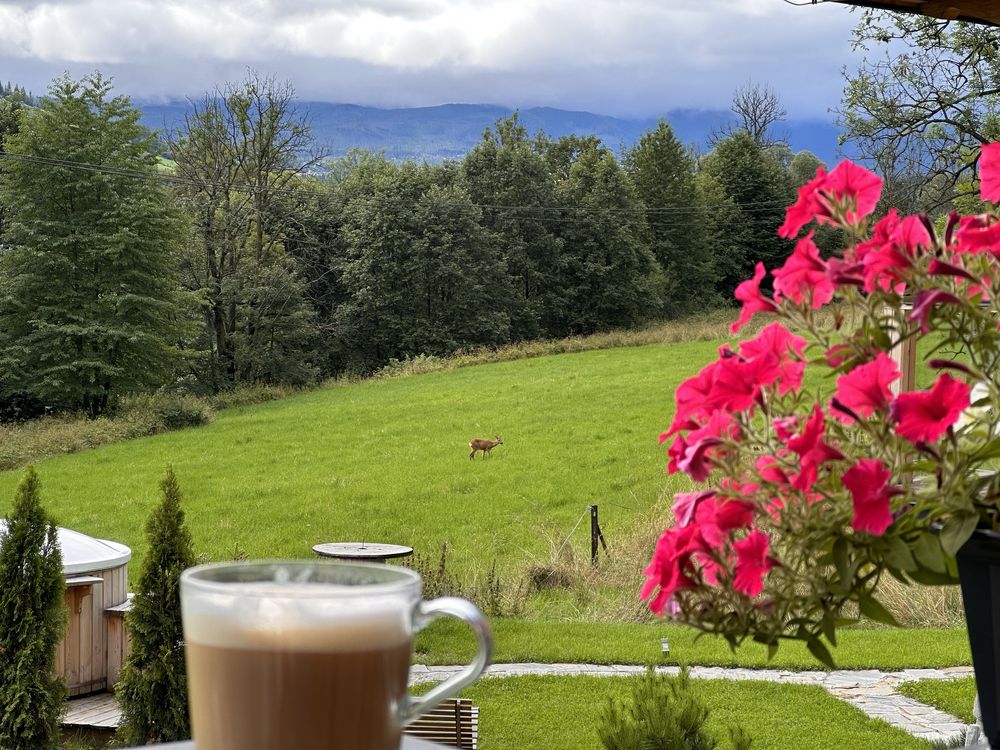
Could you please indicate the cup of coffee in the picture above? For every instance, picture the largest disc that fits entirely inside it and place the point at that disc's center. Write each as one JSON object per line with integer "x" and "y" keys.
{"x": 310, "y": 654}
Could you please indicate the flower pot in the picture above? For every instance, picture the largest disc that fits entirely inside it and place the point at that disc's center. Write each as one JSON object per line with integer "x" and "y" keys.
{"x": 979, "y": 574}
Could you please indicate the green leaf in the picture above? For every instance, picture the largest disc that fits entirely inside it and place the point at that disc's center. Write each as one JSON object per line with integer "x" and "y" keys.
{"x": 930, "y": 578}
{"x": 830, "y": 628}
{"x": 872, "y": 609}
{"x": 957, "y": 532}
{"x": 927, "y": 551}
{"x": 842, "y": 562}
{"x": 821, "y": 652}
{"x": 772, "y": 650}
{"x": 989, "y": 450}
{"x": 897, "y": 554}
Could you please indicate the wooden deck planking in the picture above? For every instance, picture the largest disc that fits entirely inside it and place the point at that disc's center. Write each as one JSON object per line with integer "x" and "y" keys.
{"x": 93, "y": 711}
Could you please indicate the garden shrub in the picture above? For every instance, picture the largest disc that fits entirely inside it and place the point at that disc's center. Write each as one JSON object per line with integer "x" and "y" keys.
{"x": 152, "y": 692}
{"x": 248, "y": 395}
{"x": 167, "y": 411}
{"x": 664, "y": 714}
{"x": 32, "y": 623}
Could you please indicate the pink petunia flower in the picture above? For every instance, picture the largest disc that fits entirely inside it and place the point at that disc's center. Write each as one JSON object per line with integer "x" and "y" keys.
{"x": 736, "y": 383}
{"x": 924, "y": 302}
{"x": 978, "y": 234}
{"x": 923, "y": 416}
{"x": 804, "y": 275}
{"x": 989, "y": 173}
{"x": 698, "y": 457}
{"x": 752, "y": 563}
{"x": 770, "y": 470}
{"x": 943, "y": 268}
{"x": 716, "y": 518}
{"x": 865, "y": 389}
{"x": 808, "y": 205}
{"x": 748, "y": 292}
{"x": 812, "y": 450}
{"x": 691, "y": 398}
{"x": 868, "y": 483}
{"x": 898, "y": 245}
{"x": 860, "y": 188}
{"x": 778, "y": 357}
{"x": 854, "y": 189}
{"x": 670, "y": 568}
{"x": 686, "y": 503}
{"x": 786, "y": 427}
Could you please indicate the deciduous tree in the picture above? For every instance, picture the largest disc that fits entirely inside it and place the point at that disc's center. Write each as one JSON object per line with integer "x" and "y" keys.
{"x": 608, "y": 270}
{"x": 508, "y": 177}
{"x": 758, "y": 110}
{"x": 924, "y": 98}
{"x": 241, "y": 154}
{"x": 420, "y": 273}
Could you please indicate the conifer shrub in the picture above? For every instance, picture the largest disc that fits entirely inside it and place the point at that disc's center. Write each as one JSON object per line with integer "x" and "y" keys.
{"x": 664, "y": 714}
{"x": 152, "y": 691}
{"x": 32, "y": 623}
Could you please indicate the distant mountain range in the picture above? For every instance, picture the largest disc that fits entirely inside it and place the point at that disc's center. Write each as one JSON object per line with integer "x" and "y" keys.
{"x": 450, "y": 130}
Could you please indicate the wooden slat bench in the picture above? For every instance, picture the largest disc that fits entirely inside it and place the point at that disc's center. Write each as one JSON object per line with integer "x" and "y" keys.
{"x": 454, "y": 722}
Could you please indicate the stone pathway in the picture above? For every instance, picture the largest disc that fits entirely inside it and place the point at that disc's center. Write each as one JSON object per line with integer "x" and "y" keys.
{"x": 870, "y": 690}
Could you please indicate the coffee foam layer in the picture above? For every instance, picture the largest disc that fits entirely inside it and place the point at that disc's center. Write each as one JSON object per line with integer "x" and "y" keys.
{"x": 307, "y": 624}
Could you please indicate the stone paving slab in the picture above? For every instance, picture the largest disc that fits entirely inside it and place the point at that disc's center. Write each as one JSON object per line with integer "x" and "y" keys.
{"x": 870, "y": 690}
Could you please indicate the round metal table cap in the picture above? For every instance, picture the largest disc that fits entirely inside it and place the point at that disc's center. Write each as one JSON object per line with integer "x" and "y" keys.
{"x": 362, "y": 550}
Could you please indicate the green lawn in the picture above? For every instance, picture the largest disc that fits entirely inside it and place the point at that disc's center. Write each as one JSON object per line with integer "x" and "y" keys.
{"x": 552, "y": 713}
{"x": 625, "y": 643}
{"x": 951, "y": 696}
{"x": 388, "y": 460}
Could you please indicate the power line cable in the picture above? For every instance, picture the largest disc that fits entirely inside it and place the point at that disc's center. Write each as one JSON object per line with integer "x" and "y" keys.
{"x": 682, "y": 211}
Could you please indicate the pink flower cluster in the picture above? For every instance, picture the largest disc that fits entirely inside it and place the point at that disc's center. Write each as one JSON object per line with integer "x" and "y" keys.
{"x": 720, "y": 535}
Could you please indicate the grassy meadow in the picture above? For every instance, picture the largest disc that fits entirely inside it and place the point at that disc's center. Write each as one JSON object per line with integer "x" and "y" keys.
{"x": 955, "y": 697}
{"x": 542, "y": 713}
{"x": 387, "y": 460}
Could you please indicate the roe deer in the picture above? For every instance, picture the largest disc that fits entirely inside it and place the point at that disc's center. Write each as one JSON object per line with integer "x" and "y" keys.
{"x": 483, "y": 445}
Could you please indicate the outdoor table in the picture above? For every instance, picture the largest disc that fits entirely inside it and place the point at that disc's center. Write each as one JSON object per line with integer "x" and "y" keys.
{"x": 362, "y": 551}
{"x": 409, "y": 743}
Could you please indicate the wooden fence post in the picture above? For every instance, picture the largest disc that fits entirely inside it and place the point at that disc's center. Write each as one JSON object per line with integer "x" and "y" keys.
{"x": 595, "y": 535}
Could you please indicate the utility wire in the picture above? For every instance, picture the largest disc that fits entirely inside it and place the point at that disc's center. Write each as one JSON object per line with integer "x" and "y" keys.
{"x": 680, "y": 212}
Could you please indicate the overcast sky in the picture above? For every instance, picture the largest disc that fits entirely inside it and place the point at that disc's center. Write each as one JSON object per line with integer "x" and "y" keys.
{"x": 620, "y": 57}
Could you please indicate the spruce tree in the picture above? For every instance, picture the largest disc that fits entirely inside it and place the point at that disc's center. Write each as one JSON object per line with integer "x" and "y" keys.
{"x": 152, "y": 691}
{"x": 32, "y": 623}
{"x": 759, "y": 188}
{"x": 663, "y": 172}
{"x": 89, "y": 306}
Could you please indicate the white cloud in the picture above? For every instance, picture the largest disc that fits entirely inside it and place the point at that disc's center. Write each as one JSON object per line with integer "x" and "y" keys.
{"x": 640, "y": 56}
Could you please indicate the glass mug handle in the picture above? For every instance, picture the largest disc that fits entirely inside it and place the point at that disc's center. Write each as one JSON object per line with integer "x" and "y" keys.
{"x": 424, "y": 615}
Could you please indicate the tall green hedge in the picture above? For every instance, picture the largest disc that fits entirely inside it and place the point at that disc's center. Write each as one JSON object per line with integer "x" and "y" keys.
{"x": 32, "y": 623}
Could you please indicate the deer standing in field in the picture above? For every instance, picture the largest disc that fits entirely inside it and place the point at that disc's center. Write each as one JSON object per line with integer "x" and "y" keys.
{"x": 483, "y": 445}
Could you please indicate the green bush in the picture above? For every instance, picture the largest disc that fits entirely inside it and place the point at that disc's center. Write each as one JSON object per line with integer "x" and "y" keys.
{"x": 152, "y": 692}
{"x": 166, "y": 411}
{"x": 248, "y": 395}
{"x": 664, "y": 714}
{"x": 32, "y": 623}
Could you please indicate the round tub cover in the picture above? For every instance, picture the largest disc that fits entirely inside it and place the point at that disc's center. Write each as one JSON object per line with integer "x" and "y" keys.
{"x": 84, "y": 554}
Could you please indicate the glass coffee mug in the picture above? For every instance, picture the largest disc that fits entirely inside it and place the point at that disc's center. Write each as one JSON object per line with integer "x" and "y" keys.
{"x": 310, "y": 654}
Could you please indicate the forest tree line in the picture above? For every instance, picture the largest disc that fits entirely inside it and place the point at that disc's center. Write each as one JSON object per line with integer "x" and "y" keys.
{"x": 231, "y": 251}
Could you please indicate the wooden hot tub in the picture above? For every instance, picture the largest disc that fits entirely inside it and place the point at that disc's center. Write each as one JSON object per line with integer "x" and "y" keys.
{"x": 96, "y": 570}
